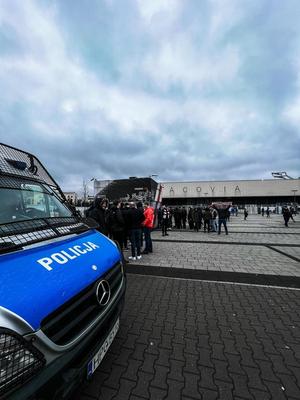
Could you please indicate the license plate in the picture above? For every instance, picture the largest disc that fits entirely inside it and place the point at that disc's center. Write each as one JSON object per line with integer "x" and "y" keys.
{"x": 98, "y": 357}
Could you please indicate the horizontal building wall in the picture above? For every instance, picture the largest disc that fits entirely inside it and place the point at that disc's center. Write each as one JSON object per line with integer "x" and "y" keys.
{"x": 277, "y": 188}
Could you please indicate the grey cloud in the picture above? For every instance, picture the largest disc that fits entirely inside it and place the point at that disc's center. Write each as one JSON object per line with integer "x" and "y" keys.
{"x": 124, "y": 124}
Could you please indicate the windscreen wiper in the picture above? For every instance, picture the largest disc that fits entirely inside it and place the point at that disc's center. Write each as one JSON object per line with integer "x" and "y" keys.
{"x": 6, "y": 247}
{"x": 79, "y": 229}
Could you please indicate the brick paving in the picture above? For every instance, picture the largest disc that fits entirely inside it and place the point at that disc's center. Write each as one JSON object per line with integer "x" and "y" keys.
{"x": 258, "y": 224}
{"x": 256, "y": 229}
{"x": 220, "y": 257}
{"x": 233, "y": 237}
{"x": 184, "y": 339}
{"x": 190, "y": 339}
{"x": 240, "y": 252}
{"x": 292, "y": 251}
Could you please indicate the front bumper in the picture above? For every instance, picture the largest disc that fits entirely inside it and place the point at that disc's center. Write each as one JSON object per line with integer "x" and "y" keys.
{"x": 59, "y": 379}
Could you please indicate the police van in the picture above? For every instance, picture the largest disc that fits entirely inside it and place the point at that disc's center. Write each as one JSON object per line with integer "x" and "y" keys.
{"x": 62, "y": 285}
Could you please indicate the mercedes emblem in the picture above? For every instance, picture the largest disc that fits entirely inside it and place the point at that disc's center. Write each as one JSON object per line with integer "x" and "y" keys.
{"x": 103, "y": 292}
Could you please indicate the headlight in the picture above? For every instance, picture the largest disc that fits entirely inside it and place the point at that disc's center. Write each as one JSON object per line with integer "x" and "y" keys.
{"x": 19, "y": 360}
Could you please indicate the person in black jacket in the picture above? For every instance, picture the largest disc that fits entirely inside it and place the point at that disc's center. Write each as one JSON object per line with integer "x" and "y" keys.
{"x": 125, "y": 211}
{"x": 286, "y": 216}
{"x": 197, "y": 218}
{"x": 165, "y": 220}
{"x": 135, "y": 219}
{"x": 183, "y": 217}
{"x": 214, "y": 225}
{"x": 222, "y": 209}
{"x": 206, "y": 219}
{"x": 190, "y": 218}
{"x": 99, "y": 213}
{"x": 116, "y": 223}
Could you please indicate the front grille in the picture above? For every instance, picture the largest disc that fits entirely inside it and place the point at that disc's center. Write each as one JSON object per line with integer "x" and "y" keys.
{"x": 19, "y": 360}
{"x": 68, "y": 321}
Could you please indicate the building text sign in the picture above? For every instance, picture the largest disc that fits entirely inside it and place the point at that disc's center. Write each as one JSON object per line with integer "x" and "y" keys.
{"x": 267, "y": 187}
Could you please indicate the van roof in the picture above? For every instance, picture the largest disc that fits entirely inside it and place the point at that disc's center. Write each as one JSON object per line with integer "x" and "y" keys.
{"x": 19, "y": 163}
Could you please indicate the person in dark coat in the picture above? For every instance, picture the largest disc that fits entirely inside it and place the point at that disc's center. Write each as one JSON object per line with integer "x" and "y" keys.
{"x": 245, "y": 214}
{"x": 228, "y": 215}
{"x": 159, "y": 217}
{"x": 139, "y": 206}
{"x": 125, "y": 211}
{"x": 214, "y": 225}
{"x": 135, "y": 219}
{"x": 99, "y": 213}
{"x": 190, "y": 218}
{"x": 197, "y": 218}
{"x": 291, "y": 213}
{"x": 165, "y": 220}
{"x": 116, "y": 223}
{"x": 222, "y": 209}
{"x": 177, "y": 217}
{"x": 206, "y": 218}
{"x": 286, "y": 216}
{"x": 183, "y": 217}
{"x": 170, "y": 217}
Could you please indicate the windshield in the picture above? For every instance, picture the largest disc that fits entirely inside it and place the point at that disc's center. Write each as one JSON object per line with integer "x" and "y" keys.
{"x": 30, "y": 201}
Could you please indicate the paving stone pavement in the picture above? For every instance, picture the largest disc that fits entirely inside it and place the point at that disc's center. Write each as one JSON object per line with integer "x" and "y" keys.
{"x": 190, "y": 339}
{"x": 220, "y": 257}
{"x": 233, "y": 237}
{"x": 292, "y": 251}
{"x": 185, "y": 339}
{"x": 240, "y": 252}
{"x": 256, "y": 229}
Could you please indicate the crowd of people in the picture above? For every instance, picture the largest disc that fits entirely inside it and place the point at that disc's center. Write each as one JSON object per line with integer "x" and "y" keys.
{"x": 267, "y": 212}
{"x": 287, "y": 213}
{"x": 212, "y": 218}
{"x": 124, "y": 222}
{"x": 133, "y": 222}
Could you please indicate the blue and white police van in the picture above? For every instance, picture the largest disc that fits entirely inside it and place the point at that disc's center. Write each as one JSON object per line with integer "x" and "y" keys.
{"x": 62, "y": 285}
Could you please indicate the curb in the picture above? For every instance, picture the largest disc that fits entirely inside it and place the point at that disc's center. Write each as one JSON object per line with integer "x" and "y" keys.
{"x": 287, "y": 281}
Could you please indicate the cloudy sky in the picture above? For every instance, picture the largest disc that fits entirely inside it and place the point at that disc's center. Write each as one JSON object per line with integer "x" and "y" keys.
{"x": 186, "y": 89}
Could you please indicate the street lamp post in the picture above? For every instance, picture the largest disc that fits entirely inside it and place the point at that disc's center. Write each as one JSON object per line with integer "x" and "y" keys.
{"x": 94, "y": 184}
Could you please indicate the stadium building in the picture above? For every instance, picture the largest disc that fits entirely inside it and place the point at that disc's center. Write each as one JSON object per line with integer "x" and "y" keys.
{"x": 251, "y": 193}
